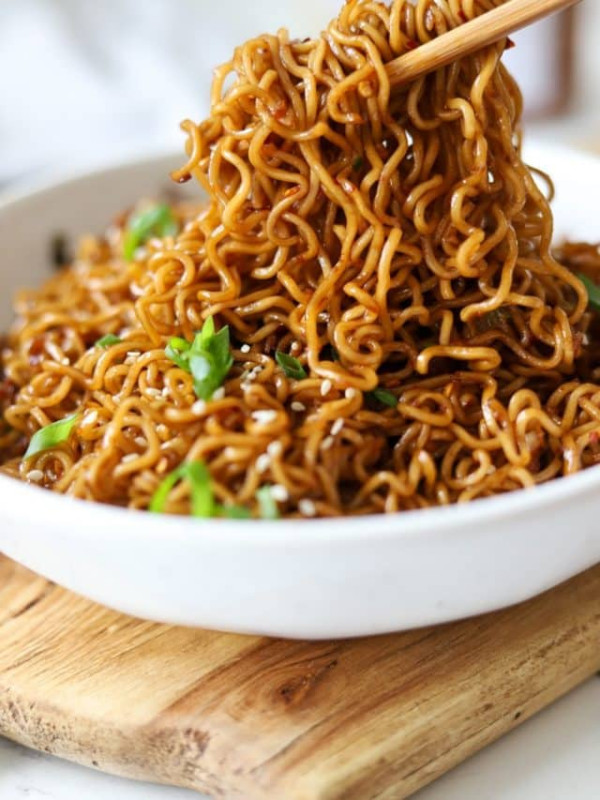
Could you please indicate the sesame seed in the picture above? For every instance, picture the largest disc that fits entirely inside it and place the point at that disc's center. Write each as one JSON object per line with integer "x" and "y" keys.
{"x": 337, "y": 426}
{"x": 295, "y": 347}
{"x": 129, "y": 458}
{"x": 350, "y": 393}
{"x": 264, "y": 415}
{"x": 35, "y": 476}
{"x": 279, "y": 493}
{"x": 219, "y": 393}
{"x": 155, "y": 393}
{"x": 531, "y": 439}
{"x": 307, "y": 507}
{"x": 165, "y": 391}
{"x": 133, "y": 353}
{"x": 199, "y": 407}
{"x": 585, "y": 339}
{"x": 139, "y": 440}
{"x": 263, "y": 462}
{"x": 65, "y": 361}
{"x": 245, "y": 348}
{"x": 298, "y": 406}
{"x": 90, "y": 419}
{"x": 327, "y": 442}
{"x": 274, "y": 449}
{"x": 326, "y": 387}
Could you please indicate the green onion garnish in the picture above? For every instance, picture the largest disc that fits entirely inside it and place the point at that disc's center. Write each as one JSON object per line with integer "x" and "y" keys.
{"x": 208, "y": 358}
{"x": 593, "y": 291}
{"x": 178, "y": 351}
{"x": 202, "y": 497}
{"x": 198, "y": 477}
{"x": 266, "y": 503}
{"x": 290, "y": 365}
{"x": 108, "y": 341}
{"x": 384, "y": 397}
{"x": 235, "y": 512}
{"x": 51, "y": 436}
{"x": 157, "y": 220}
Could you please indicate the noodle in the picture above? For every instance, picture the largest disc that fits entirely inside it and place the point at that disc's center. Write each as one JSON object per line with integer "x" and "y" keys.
{"x": 391, "y": 241}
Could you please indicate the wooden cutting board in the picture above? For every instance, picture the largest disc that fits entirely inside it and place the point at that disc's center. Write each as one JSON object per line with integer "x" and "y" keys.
{"x": 255, "y": 718}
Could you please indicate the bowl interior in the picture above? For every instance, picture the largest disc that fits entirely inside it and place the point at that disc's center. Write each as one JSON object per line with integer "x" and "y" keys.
{"x": 32, "y": 219}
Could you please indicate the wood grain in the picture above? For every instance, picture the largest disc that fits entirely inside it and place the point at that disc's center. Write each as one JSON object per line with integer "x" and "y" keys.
{"x": 472, "y": 36}
{"x": 244, "y": 717}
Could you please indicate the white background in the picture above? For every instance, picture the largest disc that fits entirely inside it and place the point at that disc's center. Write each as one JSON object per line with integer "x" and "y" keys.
{"x": 84, "y": 81}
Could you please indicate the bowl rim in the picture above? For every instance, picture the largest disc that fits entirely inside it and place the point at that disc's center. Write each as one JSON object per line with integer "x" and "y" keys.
{"x": 36, "y": 503}
{"x": 30, "y": 187}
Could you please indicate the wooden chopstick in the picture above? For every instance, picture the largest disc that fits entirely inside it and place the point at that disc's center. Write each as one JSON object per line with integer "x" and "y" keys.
{"x": 472, "y": 36}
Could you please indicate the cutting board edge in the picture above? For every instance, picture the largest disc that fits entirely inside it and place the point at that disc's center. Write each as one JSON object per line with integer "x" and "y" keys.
{"x": 169, "y": 749}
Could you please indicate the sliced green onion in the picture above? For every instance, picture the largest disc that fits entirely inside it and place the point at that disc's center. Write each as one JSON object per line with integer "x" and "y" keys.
{"x": 211, "y": 360}
{"x": 266, "y": 503}
{"x": 205, "y": 375}
{"x": 202, "y": 497}
{"x": 384, "y": 397}
{"x": 178, "y": 352}
{"x": 51, "y": 436}
{"x": 161, "y": 495}
{"x": 108, "y": 341}
{"x": 290, "y": 365}
{"x": 198, "y": 477}
{"x": 157, "y": 220}
{"x": 235, "y": 512}
{"x": 203, "y": 501}
{"x": 593, "y": 291}
{"x": 208, "y": 358}
{"x": 205, "y": 334}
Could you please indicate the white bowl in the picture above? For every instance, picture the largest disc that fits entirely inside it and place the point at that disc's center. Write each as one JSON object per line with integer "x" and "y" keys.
{"x": 296, "y": 578}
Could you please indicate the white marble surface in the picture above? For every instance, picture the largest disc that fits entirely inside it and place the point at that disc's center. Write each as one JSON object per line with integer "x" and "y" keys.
{"x": 554, "y": 756}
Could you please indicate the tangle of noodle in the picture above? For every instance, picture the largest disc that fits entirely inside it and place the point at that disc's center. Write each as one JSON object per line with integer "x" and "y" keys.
{"x": 385, "y": 237}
